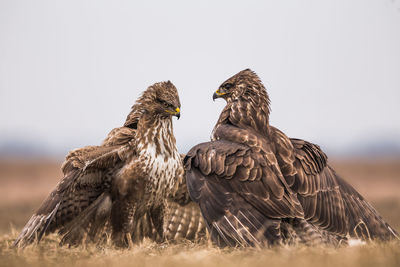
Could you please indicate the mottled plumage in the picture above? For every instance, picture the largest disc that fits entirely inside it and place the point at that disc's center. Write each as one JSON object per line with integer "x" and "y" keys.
{"x": 131, "y": 173}
{"x": 257, "y": 187}
{"x": 182, "y": 219}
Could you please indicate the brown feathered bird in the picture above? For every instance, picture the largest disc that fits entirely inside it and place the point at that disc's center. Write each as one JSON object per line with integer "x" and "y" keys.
{"x": 130, "y": 174}
{"x": 257, "y": 187}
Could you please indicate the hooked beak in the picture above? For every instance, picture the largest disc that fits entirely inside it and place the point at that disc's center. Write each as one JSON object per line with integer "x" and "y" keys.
{"x": 218, "y": 94}
{"x": 176, "y": 113}
{"x": 215, "y": 96}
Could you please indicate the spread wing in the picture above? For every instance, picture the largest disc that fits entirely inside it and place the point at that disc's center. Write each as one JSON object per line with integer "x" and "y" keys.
{"x": 331, "y": 203}
{"x": 328, "y": 201}
{"x": 241, "y": 197}
{"x": 80, "y": 197}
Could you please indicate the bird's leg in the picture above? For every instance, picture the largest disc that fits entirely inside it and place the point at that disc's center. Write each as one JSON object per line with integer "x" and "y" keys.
{"x": 122, "y": 222}
{"x": 157, "y": 217}
{"x": 103, "y": 213}
{"x": 307, "y": 232}
{"x": 128, "y": 224}
{"x": 128, "y": 237}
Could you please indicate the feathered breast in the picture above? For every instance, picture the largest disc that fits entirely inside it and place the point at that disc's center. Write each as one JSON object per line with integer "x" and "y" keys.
{"x": 161, "y": 159}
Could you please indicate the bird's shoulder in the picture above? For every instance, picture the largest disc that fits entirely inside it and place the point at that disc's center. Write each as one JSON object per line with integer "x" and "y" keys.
{"x": 288, "y": 150}
{"x": 215, "y": 157}
{"x": 311, "y": 156}
{"x": 120, "y": 136}
{"x": 91, "y": 157}
{"x": 118, "y": 145}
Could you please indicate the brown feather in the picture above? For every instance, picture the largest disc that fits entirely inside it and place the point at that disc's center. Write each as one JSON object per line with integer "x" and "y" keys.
{"x": 266, "y": 187}
{"x": 118, "y": 181}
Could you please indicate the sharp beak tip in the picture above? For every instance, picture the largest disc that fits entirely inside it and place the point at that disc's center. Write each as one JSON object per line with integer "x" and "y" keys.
{"x": 215, "y": 96}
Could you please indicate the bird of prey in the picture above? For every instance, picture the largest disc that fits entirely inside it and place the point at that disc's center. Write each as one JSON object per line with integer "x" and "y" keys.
{"x": 255, "y": 186}
{"x": 133, "y": 172}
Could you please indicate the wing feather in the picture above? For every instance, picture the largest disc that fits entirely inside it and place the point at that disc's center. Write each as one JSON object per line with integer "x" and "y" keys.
{"x": 330, "y": 202}
{"x": 87, "y": 174}
{"x": 247, "y": 183}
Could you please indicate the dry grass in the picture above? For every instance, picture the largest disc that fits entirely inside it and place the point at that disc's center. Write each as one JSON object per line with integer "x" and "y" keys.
{"x": 48, "y": 253}
{"x": 24, "y": 184}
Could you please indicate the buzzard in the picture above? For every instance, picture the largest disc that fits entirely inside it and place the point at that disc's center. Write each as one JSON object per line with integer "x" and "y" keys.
{"x": 130, "y": 174}
{"x": 256, "y": 187}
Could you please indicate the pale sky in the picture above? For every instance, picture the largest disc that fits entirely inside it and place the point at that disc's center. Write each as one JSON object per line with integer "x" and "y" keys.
{"x": 71, "y": 70}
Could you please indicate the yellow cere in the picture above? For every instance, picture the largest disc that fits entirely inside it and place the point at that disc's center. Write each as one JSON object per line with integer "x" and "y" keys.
{"x": 218, "y": 93}
{"x": 177, "y": 110}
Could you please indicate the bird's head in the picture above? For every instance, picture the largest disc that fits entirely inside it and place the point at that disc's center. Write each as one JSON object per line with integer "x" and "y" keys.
{"x": 160, "y": 99}
{"x": 166, "y": 100}
{"x": 244, "y": 81}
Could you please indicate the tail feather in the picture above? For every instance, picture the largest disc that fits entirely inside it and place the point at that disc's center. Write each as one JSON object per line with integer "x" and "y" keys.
{"x": 184, "y": 222}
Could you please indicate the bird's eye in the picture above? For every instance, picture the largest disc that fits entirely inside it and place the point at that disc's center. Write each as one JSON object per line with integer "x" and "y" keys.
{"x": 228, "y": 86}
{"x": 132, "y": 125}
{"x": 163, "y": 102}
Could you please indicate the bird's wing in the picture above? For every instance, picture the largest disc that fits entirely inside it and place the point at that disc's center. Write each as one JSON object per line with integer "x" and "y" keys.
{"x": 328, "y": 201}
{"x": 119, "y": 136}
{"x": 87, "y": 175}
{"x": 241, "y": 197}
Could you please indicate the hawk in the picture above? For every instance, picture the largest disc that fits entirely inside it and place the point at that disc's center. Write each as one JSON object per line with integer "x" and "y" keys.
{"x": 255, "y": 186}
{"x": 132, "y": 173}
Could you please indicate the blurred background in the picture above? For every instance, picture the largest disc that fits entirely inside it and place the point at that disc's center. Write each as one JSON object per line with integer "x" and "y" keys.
{"x": 71, "y": 70}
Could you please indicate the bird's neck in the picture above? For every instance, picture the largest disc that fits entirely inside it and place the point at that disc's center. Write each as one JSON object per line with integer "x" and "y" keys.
{"x": 249, "y": 111}
{"x": 155, "y": 135}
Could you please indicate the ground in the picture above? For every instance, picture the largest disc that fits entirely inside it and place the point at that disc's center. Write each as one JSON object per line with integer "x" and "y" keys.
{"x": 25, "y": 183}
